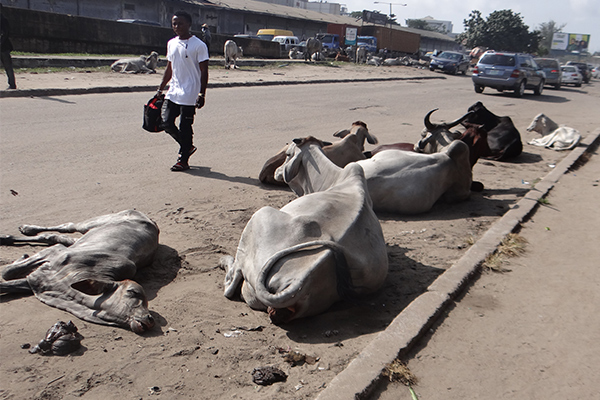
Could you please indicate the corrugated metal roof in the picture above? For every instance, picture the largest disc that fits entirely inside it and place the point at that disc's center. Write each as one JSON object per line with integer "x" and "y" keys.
{"x": 302, "y": 14}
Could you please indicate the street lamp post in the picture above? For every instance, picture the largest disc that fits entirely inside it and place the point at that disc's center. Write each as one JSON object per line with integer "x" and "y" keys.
{"x": 391, "y": 4}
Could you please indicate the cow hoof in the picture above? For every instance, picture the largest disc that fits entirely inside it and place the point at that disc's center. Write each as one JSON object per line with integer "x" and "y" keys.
{"x": 7, "y": 240}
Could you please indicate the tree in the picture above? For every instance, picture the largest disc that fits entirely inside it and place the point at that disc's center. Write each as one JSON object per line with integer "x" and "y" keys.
{"x": 547, "y": 31}
{"x": 421, "y": 24}
{"x": 502, "y": 30}
{"x": 356, "y": 14}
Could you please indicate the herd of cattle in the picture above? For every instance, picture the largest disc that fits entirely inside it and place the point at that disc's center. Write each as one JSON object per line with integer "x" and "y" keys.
{"x": 325, "y": 246}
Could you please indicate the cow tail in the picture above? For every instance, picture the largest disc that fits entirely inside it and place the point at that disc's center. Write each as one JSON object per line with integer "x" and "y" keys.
{"x": 344, "y": 281}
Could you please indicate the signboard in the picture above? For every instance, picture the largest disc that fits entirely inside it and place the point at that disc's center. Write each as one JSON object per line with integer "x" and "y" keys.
{"x": 571, "y": 42}
{"x": 351, "y": 34}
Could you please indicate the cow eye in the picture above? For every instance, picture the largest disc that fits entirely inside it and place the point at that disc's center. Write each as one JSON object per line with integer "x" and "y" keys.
{"x": 132, "y": 293}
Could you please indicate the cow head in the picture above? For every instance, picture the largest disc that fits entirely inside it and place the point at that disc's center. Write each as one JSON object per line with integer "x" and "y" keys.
{"x": 289, "y": 170}
{"x": 437, "y": 134}
{"x": 359, "y": 129}
{"x": 152, "y": 61}
{"x": 542, "y": 124}
{"x": 122, "y": 303}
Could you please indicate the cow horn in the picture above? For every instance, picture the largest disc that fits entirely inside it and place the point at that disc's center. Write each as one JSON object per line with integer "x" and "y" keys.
{"x": 458, "y": 121}
{"x": 430, "y": 127}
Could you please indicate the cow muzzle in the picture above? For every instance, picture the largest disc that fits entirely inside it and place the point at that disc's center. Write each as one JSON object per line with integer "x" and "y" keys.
{"x": 141, "y": 325}
{"x": 281, "y": 315}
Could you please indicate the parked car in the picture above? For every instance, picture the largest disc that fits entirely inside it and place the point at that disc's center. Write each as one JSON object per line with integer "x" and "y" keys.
{"x": 269, "y": 34}
{"x": 451, "y": 62}
{"x": 508, "y": 71}
{"x": 596, "y": 72}
{"x": 571, "y": 75}
{"x": 552, "y": 71}
{"x": 583, "y": 68}
{"x": 286, "y": 43}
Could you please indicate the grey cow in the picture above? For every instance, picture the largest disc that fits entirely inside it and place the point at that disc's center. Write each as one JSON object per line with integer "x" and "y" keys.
{"x": 142, "y": 64}
{"x": 90, "y": 277}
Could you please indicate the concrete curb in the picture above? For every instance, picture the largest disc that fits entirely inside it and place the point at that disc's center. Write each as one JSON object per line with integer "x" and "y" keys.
{"x": 362, "y": 375}
{"x": 152, "y": 88}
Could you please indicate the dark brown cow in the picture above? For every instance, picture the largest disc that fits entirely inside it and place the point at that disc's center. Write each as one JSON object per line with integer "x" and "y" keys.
{"x": 504, "y": 139}
{"x": 89, "y": 276}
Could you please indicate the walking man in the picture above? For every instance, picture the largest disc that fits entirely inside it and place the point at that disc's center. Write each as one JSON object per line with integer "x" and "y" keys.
{"x": 5, "y": 48}
{"x": 187, "y": 76}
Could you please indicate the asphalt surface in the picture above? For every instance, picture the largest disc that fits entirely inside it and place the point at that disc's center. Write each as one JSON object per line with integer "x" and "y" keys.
{"x": 363, "y": 374}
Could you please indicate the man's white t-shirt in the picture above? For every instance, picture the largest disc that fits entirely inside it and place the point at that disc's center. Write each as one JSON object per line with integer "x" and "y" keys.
{"x": 184, "y": 56}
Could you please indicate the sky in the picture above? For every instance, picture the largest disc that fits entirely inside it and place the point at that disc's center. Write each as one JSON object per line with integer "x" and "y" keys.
{"x": 578, "y": 16}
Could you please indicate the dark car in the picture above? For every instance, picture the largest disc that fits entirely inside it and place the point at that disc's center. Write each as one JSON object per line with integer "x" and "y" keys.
{"x": 450, "y": 61}
{"x": 551, "y": 68}
{"x": 583, "y": 68}
{"x": 508, "y": 71}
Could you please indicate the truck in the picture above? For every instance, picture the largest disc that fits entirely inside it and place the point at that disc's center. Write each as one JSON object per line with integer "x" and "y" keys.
{"x": 341, "y": 30}
{"x": 394, "y": 40}
{"x": 330, "y": 42}
{"x": 369, "y": 42}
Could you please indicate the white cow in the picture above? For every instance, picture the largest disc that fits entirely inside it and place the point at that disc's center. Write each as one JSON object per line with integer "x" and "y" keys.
{"x": 318, "y": 249}
{"x": 232, "y": 52}
{"x": 405, "y": 182}
{"x": 554, "y": 136}
{"x": 361, "y": 55}
{"x": 313, "y": 48}
{"x": 350, "y": 148}
{"x": 143, "y": 64}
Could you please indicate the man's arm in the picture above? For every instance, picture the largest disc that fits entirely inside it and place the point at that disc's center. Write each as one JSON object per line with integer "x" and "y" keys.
{"x": 203, "y": 82}
{"x": 166, "y": 77}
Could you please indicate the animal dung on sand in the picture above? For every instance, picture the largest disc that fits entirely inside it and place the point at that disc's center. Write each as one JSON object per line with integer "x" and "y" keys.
{"x": 61, "y": 339}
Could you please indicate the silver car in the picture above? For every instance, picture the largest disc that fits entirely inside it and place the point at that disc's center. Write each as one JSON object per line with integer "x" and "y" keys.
{"x": 508, "y": 71}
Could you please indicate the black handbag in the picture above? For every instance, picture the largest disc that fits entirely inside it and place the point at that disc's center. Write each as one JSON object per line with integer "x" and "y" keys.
{"x": 152, "y": 117}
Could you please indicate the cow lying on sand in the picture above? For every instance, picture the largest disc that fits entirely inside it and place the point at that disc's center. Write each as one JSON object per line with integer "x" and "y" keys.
{"x": 143, "y": 64}
{"x": 89, "y": 276}
{"x": 318, "y": 249}
{"x": 350, "y": 148}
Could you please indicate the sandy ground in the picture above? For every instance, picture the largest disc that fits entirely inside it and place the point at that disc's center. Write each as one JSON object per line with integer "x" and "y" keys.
{"x": 284, "y": 71}
{"x": 207, "y": 347}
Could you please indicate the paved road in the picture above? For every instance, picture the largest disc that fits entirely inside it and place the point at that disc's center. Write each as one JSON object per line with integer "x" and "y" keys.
{"x": 45, "y": 140}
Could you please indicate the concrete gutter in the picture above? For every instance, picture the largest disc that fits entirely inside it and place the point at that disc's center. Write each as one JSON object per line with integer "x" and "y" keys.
{"x": 362, "y": 375}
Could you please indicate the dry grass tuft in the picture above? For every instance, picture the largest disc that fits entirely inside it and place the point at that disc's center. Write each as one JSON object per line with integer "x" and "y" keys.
{"x": 512, "y": 245}
{"x": 397, "y": 371}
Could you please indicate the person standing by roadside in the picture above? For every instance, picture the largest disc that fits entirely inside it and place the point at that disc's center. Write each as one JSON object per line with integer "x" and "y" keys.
{"x": 187, "y": 77}
{"x": 5, "y": 48}
{"x": 206, "y": 36}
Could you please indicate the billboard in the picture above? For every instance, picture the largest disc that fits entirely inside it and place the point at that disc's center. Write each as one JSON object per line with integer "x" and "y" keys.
{"x": 571, "y": 42}
{"x": 374, "y": 17}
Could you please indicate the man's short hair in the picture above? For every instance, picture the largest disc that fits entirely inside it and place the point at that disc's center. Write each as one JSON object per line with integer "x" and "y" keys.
{"x": 183, "y": 14}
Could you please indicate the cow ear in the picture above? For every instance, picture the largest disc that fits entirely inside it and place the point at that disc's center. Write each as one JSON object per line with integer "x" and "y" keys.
{"x": 371, "y": 138}
{"x": 93, "y": 287}
{"x": 341, "y": 133}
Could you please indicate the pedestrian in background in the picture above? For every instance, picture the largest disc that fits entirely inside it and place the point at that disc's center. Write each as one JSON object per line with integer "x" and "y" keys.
{"x": 206, "y": 37}
{"x": 187, "y": 76}
{"x": 5, "y": 48}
